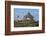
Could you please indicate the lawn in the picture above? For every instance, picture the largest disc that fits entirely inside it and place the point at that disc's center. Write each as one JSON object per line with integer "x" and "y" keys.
{"x": 18, "y": 24}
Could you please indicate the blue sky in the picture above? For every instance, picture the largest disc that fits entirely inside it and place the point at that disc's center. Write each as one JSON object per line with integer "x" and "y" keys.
{"x": 21, "y": 12}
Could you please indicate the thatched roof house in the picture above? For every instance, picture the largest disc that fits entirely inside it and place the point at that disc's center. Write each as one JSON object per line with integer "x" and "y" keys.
{"x": 28, "y": 19}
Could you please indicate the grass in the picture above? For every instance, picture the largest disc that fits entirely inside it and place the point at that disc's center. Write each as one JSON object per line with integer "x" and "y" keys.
{"x": 17, "y": 24}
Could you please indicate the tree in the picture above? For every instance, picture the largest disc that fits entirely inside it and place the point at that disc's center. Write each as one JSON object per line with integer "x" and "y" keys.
{"x": 17, "y": 17}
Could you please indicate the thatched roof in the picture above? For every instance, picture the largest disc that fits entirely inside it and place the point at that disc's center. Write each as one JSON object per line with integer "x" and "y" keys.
{"x": 28, "y": 15}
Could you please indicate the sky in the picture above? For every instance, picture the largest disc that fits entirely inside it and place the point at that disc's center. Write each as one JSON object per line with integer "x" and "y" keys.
{"x": 21, "y": 12}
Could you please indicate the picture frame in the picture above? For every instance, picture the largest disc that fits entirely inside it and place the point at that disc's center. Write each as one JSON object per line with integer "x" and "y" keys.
{"x": 9, "y": 30}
